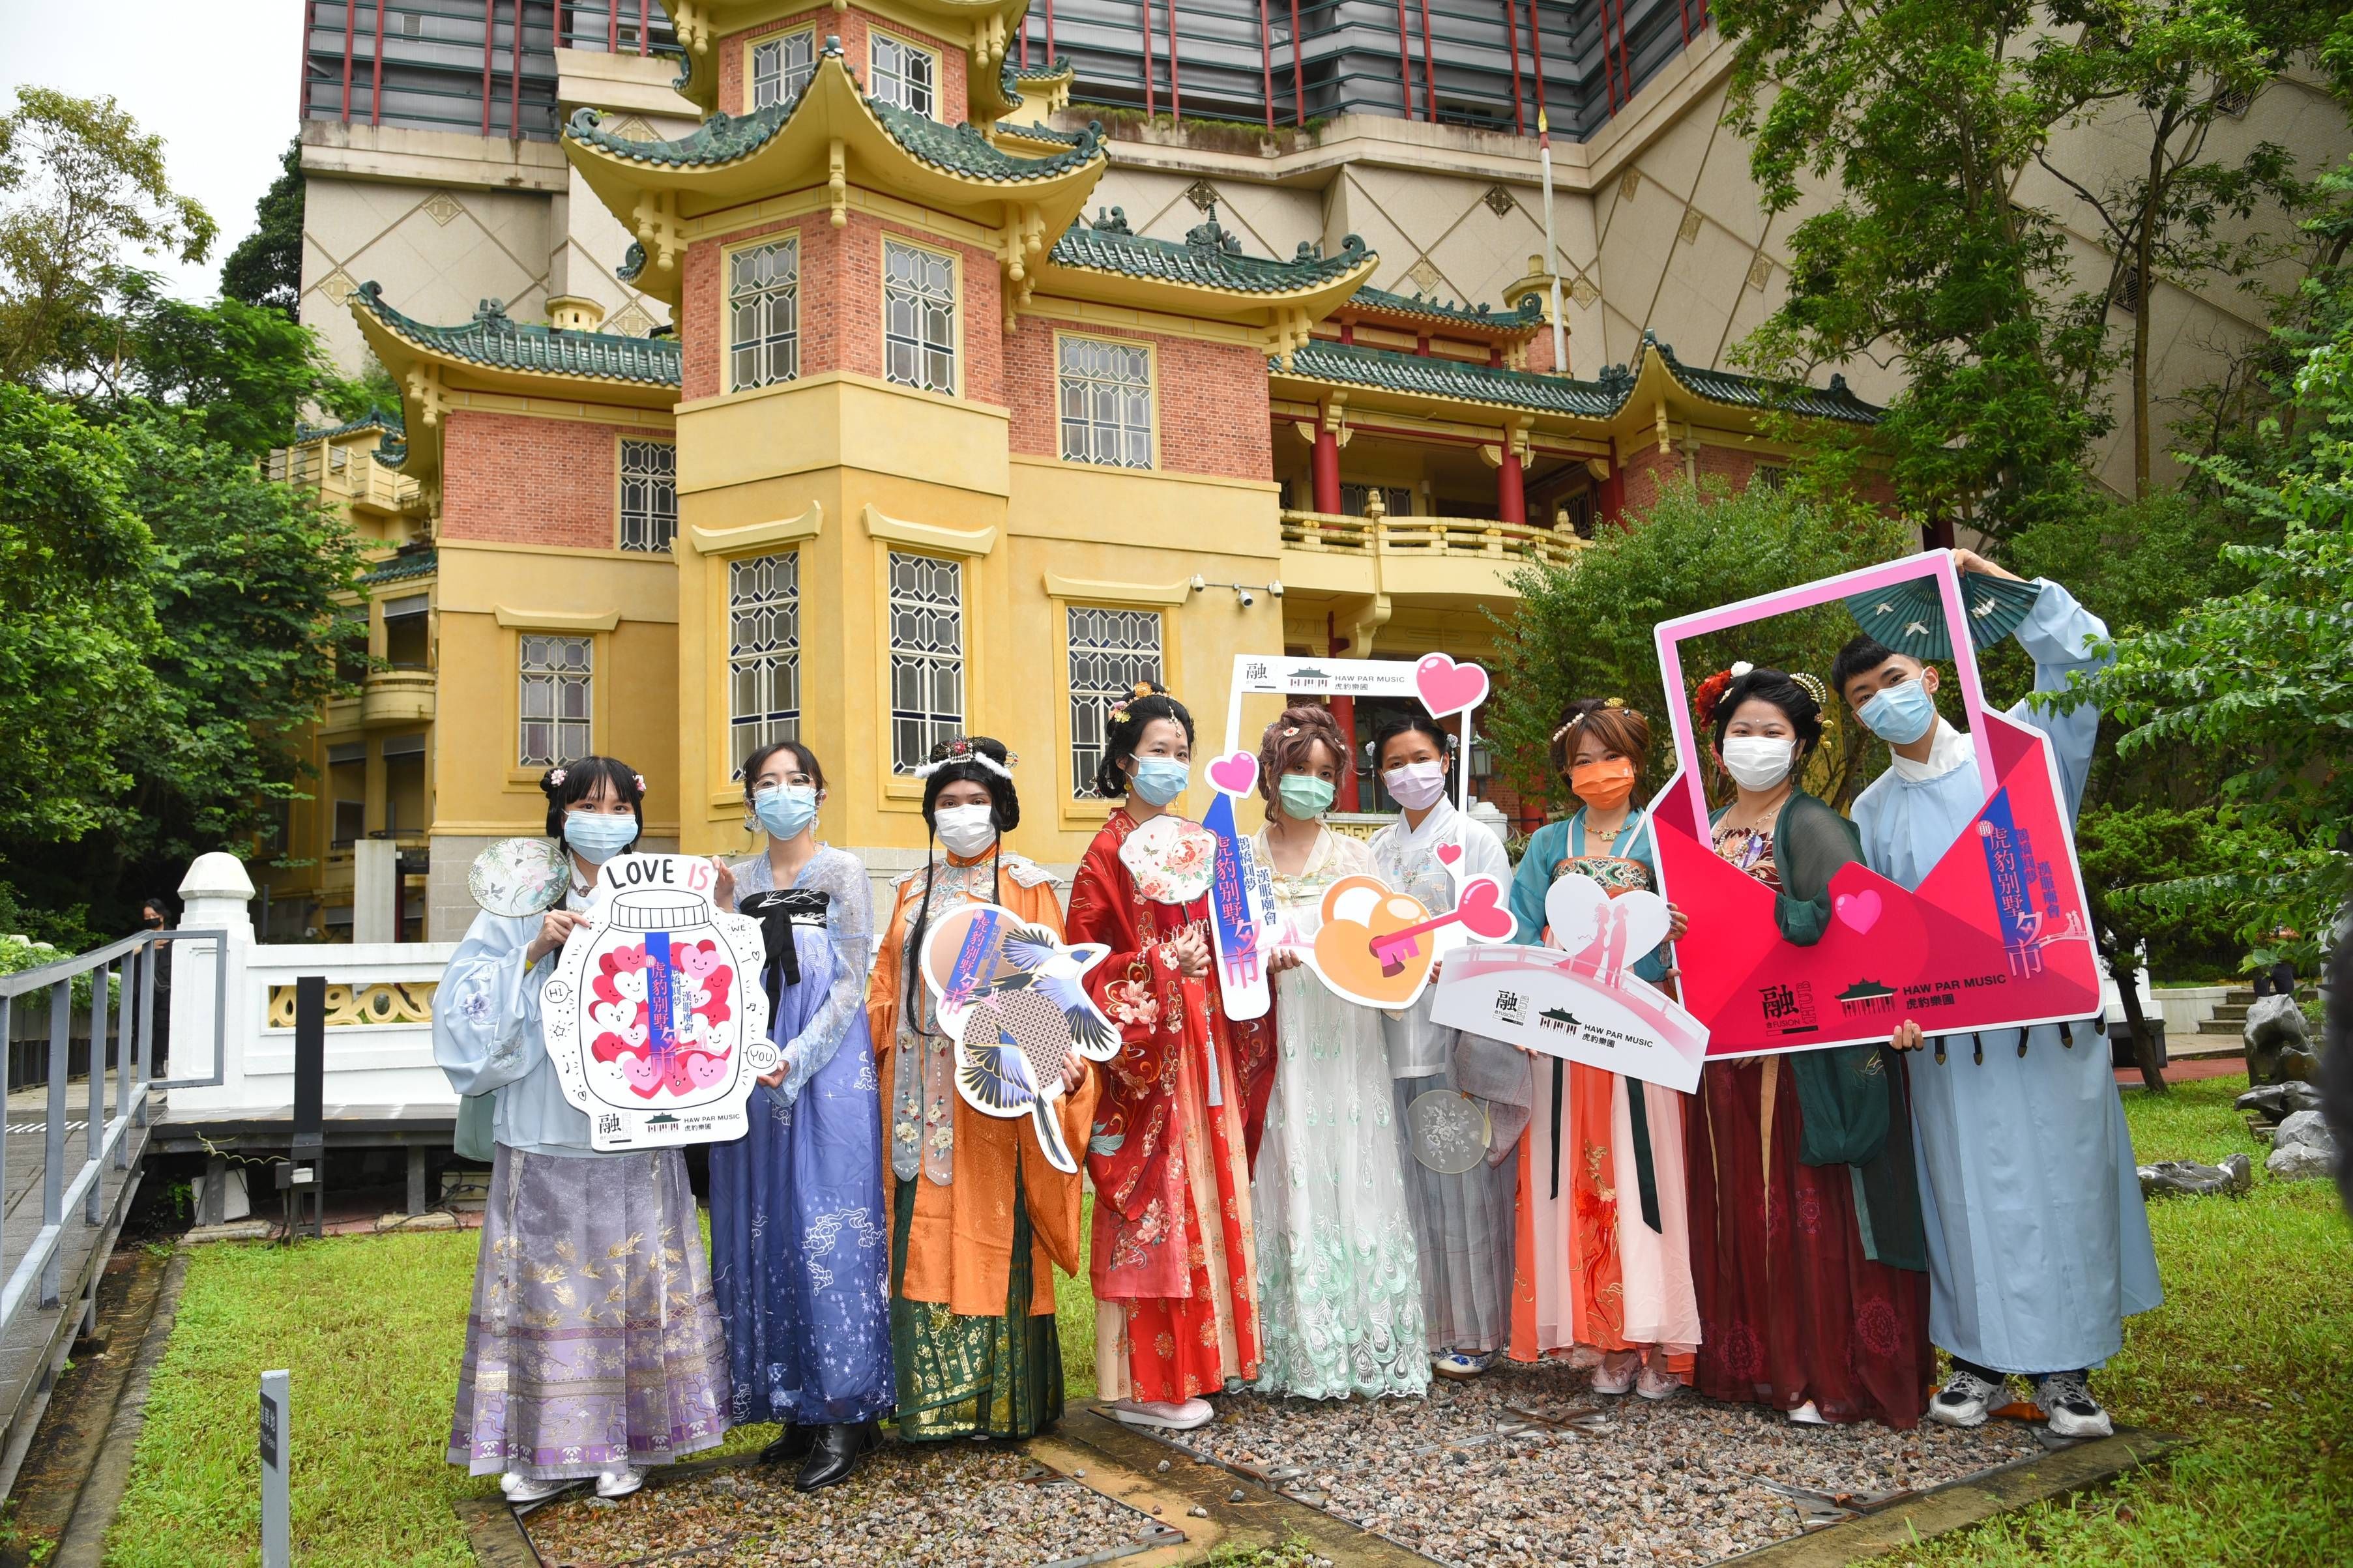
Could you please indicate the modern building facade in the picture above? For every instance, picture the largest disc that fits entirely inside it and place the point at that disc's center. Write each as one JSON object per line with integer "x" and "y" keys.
{"x": 773, "y": 369}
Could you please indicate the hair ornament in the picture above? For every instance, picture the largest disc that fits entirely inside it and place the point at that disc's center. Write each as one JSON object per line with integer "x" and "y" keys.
{"x": 1711, "y": 692}
{"x": 1136, "y": 693}
{"x": 642, "y": 782}
{"x": 1288, "y": 731}
{"x": 555, "y": 778}
{"x": 1741, "y": 667}
{"x": 962, "y": 750}
{"x": 1813, "y": 687}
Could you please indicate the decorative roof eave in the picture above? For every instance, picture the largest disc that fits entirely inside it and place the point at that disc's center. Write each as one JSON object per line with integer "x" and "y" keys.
{"x": 1749, "y": 397}
{"x": 1043, "y": 90}
{"x": 1501, "y": 326}
{"x": 986, "y": 28}
{"x": 373, "y": 419}
{"x": 1286, "y": 298}
{"x": 1426, "y": 387}
{"x": 654, "y": 188}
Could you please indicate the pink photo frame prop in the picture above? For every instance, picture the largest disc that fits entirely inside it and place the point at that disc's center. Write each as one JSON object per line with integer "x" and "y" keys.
{"x": 1997, "y": 936}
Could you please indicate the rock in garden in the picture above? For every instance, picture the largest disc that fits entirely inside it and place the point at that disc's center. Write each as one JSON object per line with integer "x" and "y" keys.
{"x": 2305, "y": 1127}
{"x": 2279, "y": 1041}
{"x": 2188, "y": 1178}
{"x": 2276, "y": 1101}
{"x": 2301, "y": 1161}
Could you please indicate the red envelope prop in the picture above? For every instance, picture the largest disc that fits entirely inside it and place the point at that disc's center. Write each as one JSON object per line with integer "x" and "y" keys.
{"x": 1996, "y": 936}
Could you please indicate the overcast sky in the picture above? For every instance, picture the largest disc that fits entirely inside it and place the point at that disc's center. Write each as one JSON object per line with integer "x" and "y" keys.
{"x": 216, "y": 79}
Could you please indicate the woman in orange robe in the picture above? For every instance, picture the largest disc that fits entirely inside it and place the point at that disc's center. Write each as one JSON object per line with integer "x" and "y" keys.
{"x": 1174, "y": 1270}
{"x": 979, "y": 1216}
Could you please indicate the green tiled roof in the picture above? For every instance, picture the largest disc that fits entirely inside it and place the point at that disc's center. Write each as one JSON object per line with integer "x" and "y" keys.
{"x": 492, "y": 339}
{"x": 1372, "y": 298}
{"x": 403, "y": 565}
{"x": 1012, "y": 76}
{"x": 1835, "y": 401}
{"x": 391, "y": 452}
{"x": 1209, "y": 259}
{"x": 373, "y": 419}
{"x": 724, "y": 137}
{"x": 1432, "y": 377}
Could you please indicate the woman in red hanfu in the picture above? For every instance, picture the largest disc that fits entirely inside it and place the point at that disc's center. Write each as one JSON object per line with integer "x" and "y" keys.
{"x": 1174, "y": 1271}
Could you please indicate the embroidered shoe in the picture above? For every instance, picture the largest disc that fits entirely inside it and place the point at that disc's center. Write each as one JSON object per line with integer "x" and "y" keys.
{"x": 520, "y": 1489}
{"x": 2066, "y": 1399}
{"x": 1617, "y": 1374}
{"x": 1965, "y": 1401}
{"x": 1657, "y": 1383}
{"x": 1456, "y": 1364}
{"x": 1160, "y": 1414}
{"x": 621, "y": 1482}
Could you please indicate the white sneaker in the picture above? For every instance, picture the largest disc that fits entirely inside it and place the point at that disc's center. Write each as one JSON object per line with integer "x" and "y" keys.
{"x": 1456, "y": 1364}
{"x": 2066, "y": 1399}
{"x": 1617, "y": 1374}
{"x": 1965, "y": 1401}
{"x": 1807, "y": 1416}
{"x": 1657, "y": 1383}
{"x": 1160, "y": 1414}
{"x": 519, "y": 1489}
{"x": 621, "y": 1482}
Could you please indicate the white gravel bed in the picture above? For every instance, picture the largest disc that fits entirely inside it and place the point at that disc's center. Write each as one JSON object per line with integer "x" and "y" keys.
{"x": 1526, "y": 1465}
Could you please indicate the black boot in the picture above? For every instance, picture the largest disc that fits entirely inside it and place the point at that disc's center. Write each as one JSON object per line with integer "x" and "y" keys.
{"x": 791, "y": 1443}
{"x": 836, "y": 1454}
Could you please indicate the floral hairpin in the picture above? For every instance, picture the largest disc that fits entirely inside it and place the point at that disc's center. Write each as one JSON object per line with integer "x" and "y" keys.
{"x": 1711, "y": 692}
{"x": 642, "y": 782}
{"x": 555, "y": 778}
{"x": 963, "y": 750}
{"x": 1136, "y": 693}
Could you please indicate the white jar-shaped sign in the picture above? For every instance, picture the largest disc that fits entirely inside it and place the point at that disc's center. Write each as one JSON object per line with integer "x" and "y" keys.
{"x": 655, "y": 1017}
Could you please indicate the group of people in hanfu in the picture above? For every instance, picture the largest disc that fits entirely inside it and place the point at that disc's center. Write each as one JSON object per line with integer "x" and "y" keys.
{"x": 1803, "y": 1233}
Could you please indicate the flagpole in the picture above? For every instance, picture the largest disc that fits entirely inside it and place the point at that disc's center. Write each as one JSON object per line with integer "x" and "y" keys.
{"x": 1552, "y": 269}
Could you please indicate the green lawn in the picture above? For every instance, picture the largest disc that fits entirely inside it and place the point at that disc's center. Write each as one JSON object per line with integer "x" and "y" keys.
{"x": 372, "y": 1328}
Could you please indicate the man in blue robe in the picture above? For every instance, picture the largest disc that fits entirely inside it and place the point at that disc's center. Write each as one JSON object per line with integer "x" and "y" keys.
{"x": 2037, "y": 1245}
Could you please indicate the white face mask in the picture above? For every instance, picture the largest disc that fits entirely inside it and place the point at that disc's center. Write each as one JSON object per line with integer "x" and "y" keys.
{"x": 966, "y": 830}
{"x": 1758, "y": 762}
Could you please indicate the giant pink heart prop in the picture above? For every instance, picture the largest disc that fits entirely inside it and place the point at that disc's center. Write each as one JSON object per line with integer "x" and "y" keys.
{"x": 1859, "y": 910}
{"x": 1447, "y": 686}
{"x": 1236, "y": 773}
{"x": 1483, "y": 912}
{"x": 1583, "y": 915}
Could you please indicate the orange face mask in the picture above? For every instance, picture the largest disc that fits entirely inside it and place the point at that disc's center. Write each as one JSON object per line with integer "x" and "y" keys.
{"x": 1603, "y": 786}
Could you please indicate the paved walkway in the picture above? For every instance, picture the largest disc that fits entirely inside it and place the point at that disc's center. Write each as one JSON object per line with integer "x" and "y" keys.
{"x": 2187, "y": 1070}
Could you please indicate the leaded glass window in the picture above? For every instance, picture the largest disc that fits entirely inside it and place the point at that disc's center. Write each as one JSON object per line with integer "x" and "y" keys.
{"x": 902, "y": 74}
{"x": 649, "y": 496}
{"x": 555, "y": 708}
{"x": 763, "y": 287}
{"x": 926, "y": 656}
{"x": 1111, "y": 650}
{"x": 781, "y": 68}
{"x": 763, "y": 651}
{"x": 1107, "y": 391}
{"x": 918, "y": 318}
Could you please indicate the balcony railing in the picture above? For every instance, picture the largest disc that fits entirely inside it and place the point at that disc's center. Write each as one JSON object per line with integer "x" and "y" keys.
{"x": 357, "y": 480}
{"x": 1454, "y": 537}
{"x": 397, "y": 697}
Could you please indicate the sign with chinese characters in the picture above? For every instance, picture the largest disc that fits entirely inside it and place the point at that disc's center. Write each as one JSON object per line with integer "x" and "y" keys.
{"x": 1996, "y": 936}
{"x": 655, "y": 1016}
{"x": 1581, "y": 1000}
{"x": 1370, "y": 943}
{"x": 1013, "y": 998}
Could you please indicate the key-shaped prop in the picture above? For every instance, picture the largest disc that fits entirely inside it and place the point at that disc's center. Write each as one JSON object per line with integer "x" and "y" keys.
{"x": 1479, "y": 910}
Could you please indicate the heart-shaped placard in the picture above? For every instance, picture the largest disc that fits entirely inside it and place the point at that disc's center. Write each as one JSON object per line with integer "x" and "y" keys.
{"x": 1859, "y": 911}
{"x": 1585, "y": 917}
{"x": 1235, "y": 774}
{"x": 1482, "y": 911}
{"x": 1447, "y": 686}
{"x": 1449, "y": 853}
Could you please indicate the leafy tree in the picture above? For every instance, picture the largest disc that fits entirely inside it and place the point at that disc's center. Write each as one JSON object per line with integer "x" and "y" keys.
{"x": 248, "y": 373}
{"x": 86, "y": 185}
{"x": 1585, "y": 630}
{"x": 265, "y": 271}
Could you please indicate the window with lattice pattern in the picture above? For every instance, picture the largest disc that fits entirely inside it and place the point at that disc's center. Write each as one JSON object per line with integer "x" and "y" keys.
{"x": 555, "y": 700}
{"x": 919, "y": 340}
{"x": 903, "y": 74}
{"x": 649, "y": 496}
{"x": 926, "y": 656}
{"x": 764, "y": 652}
{"x": 763, "y": 287}
{"x": 1111, "y": 650}
{"x": 1106, "y": 393}
{"x": 781, "y": 68}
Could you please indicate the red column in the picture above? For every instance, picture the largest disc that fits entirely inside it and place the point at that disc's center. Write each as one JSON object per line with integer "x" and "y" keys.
{"x": 1609, "y": 499}
{"x": 1343, "y": 713}
{"x": 1325, "y": 474}
{"x": 1510, "y": 487}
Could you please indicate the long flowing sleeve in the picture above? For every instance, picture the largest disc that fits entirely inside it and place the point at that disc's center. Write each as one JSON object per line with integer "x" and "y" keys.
{"x": 486, "y": 1026}
{"x": 1810, "y": 842}
{"x": 2061, "y": 636}
{"x": 883, "y": 992}
{"x": 850, "y": 921}
{"x": 1533, "y": 881}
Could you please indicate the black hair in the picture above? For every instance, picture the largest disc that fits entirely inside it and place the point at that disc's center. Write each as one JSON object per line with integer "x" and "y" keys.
{"x": 1124, "y": 728}
{"x": 1004, "y": 810}
{"x": 1795, "y": 703}
{"x": 1394, "y": 721}
{"x": 1862, "y": 654}
{"x": 801, "y": 755}
{"x": 568, "y": 783}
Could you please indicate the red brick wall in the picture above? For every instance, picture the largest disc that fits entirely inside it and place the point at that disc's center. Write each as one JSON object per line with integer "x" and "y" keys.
{"x": 1210, "y": 400}
{"x": 1539, "y": 358}
{"x": 841, "y": 304}
{"x": 1647, "y": 472}
{"x": 851, "y": 28}
{"x": 520, "y": 480}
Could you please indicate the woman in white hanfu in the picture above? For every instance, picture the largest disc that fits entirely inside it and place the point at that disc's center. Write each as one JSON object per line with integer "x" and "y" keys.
{"x": 1339, "y": 1288}
{"x": 1461, "y": 1220}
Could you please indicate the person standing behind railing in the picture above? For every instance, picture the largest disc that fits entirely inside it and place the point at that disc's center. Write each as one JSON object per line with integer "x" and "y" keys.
{"x": 594, "y": 1346}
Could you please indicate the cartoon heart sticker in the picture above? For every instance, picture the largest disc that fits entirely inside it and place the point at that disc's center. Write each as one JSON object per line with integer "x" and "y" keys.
{"x": 1449, "y": 853}
{"x": 1859, "y": 911}
{"x": 1234, "y": 774}
{"x": 1447, "y": 686}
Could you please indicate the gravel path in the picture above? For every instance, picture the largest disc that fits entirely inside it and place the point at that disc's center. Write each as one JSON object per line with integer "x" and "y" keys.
{"x": 954, "y": 1505}
{"x": 1526, "y": 1465}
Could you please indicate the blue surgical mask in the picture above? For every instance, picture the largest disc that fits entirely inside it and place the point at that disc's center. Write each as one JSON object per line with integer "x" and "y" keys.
{"x": 787, "y": 811}
{"x": 597, "y": 835}
{"x": 1160, "y": 780}
{"x": 1900, "y": 714}
{"x": 1304, "y": 797}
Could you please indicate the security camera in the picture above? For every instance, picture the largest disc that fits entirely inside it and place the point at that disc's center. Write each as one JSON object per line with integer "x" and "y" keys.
{"x": 1275, "y": 588}
{"x": 1248, "y": 598}
{"x": 1198, "y": 583}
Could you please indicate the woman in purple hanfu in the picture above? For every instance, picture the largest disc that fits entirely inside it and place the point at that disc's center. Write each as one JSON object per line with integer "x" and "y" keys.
{"x": 800, "y": 1242}
{"x": 593, "y": 1347}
